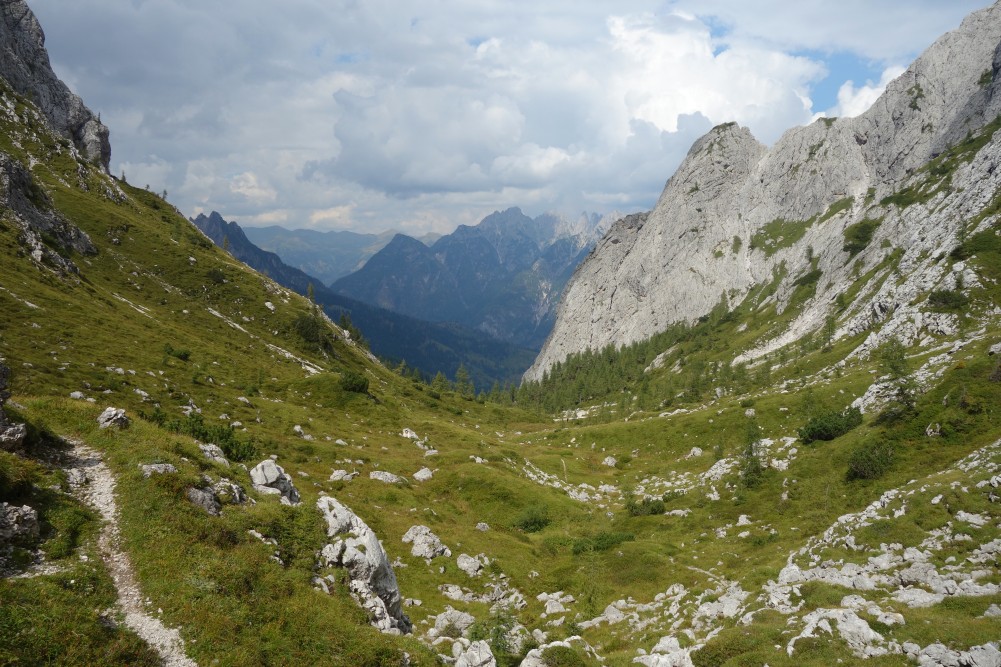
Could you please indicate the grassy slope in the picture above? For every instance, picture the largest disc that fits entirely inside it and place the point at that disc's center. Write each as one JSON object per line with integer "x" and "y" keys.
{"x": 219, "y": 585}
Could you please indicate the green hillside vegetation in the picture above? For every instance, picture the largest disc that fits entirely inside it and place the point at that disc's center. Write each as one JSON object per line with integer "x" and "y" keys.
{"x": 607, "y": 502}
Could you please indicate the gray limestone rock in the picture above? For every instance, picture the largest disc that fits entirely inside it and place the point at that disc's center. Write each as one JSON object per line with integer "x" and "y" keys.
{"x": 214, "y": 453}
{"x": 113, "y": 417}
{"x": 157, "y": 469}
{"x": 423, "y": 475}
{"x": 269, "y": 477}
{"x": 425, "y": 544}
{"x": 452, "y": 622}
{"x": 205, "y": 499}
{"x": 25, "y": 66}
{"x": 356, "y": 548}
{"x": 18, "y": 523}
{"x": 386, "y": 477}
{"x": 469, "y": 565}
{"x": 477, "y": 655}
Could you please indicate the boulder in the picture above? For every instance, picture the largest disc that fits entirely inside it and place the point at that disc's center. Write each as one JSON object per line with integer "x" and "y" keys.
{"x": 609, "y": 461}
{"x": 482, "y": 527}
{"x": 387, "y": 477}
{"x": 469, "y": 565}
{"x": 269, "y": 477}
{"x": 17, "y": 523}
{"x": 477, "y": 655}
{"x": 113, "y": 417}
{"x": 214, "y": 453}
{"x": 453, "y": 623}
{"x": 423, "y": 475}
{"x": 204, "y": 498}
{"x": 425, "y": 543}
{"x": 357, "y": 549}
{"x": 227, "y": 491}
{"x": 342, "y": 476}
{"x": 157, "y": 469}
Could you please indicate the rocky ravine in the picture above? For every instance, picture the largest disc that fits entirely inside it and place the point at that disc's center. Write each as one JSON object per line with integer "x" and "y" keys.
{"x": 699, "y": 244}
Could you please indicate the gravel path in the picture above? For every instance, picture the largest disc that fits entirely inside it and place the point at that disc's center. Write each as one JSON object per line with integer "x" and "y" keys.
{"x": 94, "y": 484}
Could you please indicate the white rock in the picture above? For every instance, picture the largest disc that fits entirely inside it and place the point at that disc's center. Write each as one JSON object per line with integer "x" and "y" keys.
{"x": 423, "y": 475}
{"x": 425, "y": 543}
{"x": 469, "y": 565}
{"x": 383, "y": 476}
{"x": 113, "y": 417}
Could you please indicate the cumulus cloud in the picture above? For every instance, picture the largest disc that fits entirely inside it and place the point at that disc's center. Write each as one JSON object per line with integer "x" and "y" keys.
{"x": 379, "y": 114}
{"x": 854, "y": 101}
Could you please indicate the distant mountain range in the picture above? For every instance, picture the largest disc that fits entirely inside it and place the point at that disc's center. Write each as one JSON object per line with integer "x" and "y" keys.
{"x": 428, "y": 346}
{"x": 325, "y": 255}
{"x": 502, "y": 277}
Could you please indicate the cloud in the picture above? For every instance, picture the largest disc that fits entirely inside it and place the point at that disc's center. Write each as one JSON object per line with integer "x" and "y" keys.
{"x": 416, "y": 116}
{"x": 854, "y": 101}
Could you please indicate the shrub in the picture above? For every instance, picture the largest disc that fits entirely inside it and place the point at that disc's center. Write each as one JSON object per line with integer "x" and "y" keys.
{"x": 830, "y": 425}
{"x": 870, "y": 460}
{"x": 947, "y": 299}
{"x": 858, "y": 236}
{"x": 533, "y": 519}
{"x": 645, "y": 507}
{"x": 354, "y": 382}
{"x": 562, "y": 656}
{"x": 314, "y": 331}
{"x": 602, "y": 541}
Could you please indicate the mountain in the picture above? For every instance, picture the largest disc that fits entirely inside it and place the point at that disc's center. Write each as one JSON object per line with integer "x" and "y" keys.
{"x": 429, "y": 347}
{"x": 326, "y": 255}
{"x": 502, "y": 277}
{"x": 198, "y": 467}
{"x": 737, "y": 215}
{"x": 25, "y": 68}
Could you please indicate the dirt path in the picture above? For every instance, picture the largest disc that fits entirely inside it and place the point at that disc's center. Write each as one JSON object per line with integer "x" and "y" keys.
{"x": 94, "y": 484}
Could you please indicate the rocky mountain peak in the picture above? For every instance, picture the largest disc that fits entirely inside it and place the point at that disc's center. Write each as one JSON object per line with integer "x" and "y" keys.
{"x": 736, "y": 214}
{"x": 24, "y": 64}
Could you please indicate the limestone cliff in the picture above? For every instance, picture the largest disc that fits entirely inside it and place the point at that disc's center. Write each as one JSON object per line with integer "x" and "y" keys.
{"x": 24, "y": 64}
{"x": 736, "y": 214}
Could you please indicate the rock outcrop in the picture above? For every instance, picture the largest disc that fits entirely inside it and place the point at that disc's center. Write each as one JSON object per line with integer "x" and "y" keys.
{"x": 270, "y": 478}
{"x": 425, "y": 544}
{"x": 113, "y": 417}
{"x": 356, "y": 548}
{"x": 24, "y": 63}
{"x": 737, "y": 215}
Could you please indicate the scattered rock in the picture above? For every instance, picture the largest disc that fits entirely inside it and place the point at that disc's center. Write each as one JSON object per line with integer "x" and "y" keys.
{"x": 694, "y": 453}
{"x": 157, "y": 469}
{"x": 113, "y": 417}
{"x": 477, "y": 655}
{"x": 453, "y": 623}
{"x": 423, "y": 475}
{"x": 482, "y": 527}
{"x": 204, "y": 498}
{"x": 425, "y": 543}
{"x": 214, "y": 453}
{"x": 342, "y": 476}
{"x": 609, "y": 461}
{"x": 227, "y": 491}
{"x": 269, "y": 477}
{"x": 77, "y": 395}
{"x": 469, "y": 565}
{"x": 17, "y": 523}
{"x": 358, "y": 550}
{"x": 387, "y": 477}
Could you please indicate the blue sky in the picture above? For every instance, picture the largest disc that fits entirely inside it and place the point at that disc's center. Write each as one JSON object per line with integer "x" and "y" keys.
{"x": 381, "y": 114}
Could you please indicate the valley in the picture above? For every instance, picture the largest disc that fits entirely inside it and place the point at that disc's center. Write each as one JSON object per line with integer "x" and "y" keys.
{"x": 764, "y": 429}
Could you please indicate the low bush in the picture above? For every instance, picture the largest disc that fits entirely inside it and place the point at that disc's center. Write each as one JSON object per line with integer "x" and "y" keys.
{"x": 354, "y": 382}
{"x": 830, "y": 425}
{"x": 533, "y": 519}
{"x": 870, "y": 460}
{"x": 645, "y": 507}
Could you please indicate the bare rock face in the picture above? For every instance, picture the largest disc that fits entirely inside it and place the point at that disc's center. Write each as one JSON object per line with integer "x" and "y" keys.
{"x": 722, "y": 224}
{"x": 24, "y": 63}
{"x": 357, "y": 549}
{"x": 38, "y": 219}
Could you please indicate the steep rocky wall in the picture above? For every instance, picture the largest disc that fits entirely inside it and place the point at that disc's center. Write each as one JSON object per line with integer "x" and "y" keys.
{"x": 697, "y": 245}
{"x": 24, "y": 63}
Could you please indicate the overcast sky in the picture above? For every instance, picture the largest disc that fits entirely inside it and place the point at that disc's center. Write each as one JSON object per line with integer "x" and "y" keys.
{"x": 418, "y": 116}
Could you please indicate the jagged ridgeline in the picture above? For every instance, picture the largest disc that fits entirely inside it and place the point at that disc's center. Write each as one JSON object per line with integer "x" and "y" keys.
{"x": 197, "y": 466}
